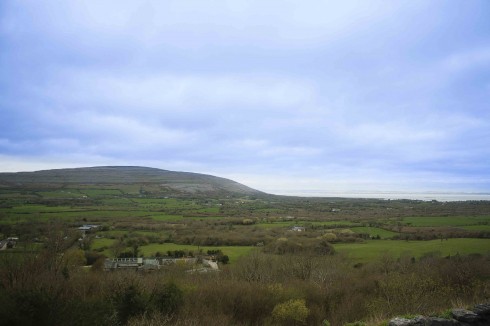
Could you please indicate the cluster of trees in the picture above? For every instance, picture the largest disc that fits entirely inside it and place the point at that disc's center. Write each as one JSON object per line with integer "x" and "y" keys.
{"x": 219, "y": 255}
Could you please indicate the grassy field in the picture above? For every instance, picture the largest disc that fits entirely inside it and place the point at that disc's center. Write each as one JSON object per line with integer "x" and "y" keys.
{"x": 60, "y": 194}
{"x": 276, "y": 225}
{"x": 285, "y": 224}
{"x": 101, "y": 192}
{"x": 203, "y": 218}
{"x": 373, "y": 249}
{"x": 103, "y": 242}
{"x": 446, "y": 221}
{"x": 334, "y": 223}
{"x": 373, "y": 232}
{"x": 165, "y": 217}
{"x": 120, "y": 233}
{"x": 25, "y": 209}
{"x": 481, "y": 227}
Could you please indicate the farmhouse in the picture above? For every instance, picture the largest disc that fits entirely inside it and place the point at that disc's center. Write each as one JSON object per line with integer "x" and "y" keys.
{"x": 88, "y": 227}
{"x": 146, "y": 264}
{"x": 123, "y": 263}
{"x": 8, "y": 243}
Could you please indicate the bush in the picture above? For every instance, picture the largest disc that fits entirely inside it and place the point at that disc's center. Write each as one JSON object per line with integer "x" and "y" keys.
{"x": 92, "y": 256}
{"x": 167, "y": 299}
{"x": 129, "y": 303}
{"x": 291, "y": 312}
{"x": 356, "y": 323}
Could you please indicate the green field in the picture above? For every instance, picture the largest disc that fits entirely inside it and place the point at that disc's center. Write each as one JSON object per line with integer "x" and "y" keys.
{"x": 120, "y": 233}
{"x": 208, "y": 210}
{"x": 103, "y": 242}
{"x": 446, "y": 221}
{"x": 481, "y": 227}
{"x": 203, "y": 218}
{"x": 60, "y": 194}
{"x": 101, "y": 192}
{"x": 306, "y": 224}
{"x": 373, "y": 249}
{"x": 334, "y": 223}
{"x": 373, "y": 232}
{"x": 165, "y": 217}
{"x": 24, "y": 209}
{"x": 276, "y": 225}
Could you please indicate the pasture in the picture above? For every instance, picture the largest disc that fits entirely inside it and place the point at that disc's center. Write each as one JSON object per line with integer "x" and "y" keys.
{"x": 421, "y": 221}
{"x": 373, "y": 249}
{"x": 374, "y": 232}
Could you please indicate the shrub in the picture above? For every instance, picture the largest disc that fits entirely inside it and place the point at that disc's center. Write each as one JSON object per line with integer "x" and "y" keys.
{"x": 291, "y": 312}
{"x": 356, "y": 323}
{"x": 92, "y": 256}
{"x": 129, "y": 303}
{"x": 167, "y": 299}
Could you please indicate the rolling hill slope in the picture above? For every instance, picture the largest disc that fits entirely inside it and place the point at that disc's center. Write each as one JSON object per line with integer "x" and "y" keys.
{"x": 179, "y": 182}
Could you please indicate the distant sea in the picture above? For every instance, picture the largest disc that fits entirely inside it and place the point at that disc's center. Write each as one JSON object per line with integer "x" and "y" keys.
{"x": 426, "y": 196}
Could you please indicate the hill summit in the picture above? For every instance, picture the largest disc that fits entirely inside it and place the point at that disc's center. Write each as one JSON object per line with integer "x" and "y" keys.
{"x": 166, "y": 181}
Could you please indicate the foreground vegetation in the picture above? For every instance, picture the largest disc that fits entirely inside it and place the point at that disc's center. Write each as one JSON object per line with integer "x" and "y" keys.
{"x": 258, "y": 289}
{"x": 349, "y": 260}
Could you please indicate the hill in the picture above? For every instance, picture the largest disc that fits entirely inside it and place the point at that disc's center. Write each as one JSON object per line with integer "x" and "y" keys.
{"x": 166, "y": 181}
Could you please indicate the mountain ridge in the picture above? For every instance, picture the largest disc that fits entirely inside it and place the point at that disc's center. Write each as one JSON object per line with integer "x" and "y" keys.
{"x": 183, "y": 182}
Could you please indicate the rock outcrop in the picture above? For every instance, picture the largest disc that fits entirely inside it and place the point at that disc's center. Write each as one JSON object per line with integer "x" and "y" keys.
{"x": 478, "y": 316}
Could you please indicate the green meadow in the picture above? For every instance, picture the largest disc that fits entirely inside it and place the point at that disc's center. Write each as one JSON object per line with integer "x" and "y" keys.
{"x": 373, "y": 249}
{"x": 101, "y": 243}
{"x": 373, "y": 232}
{"x": 306, "y": 223}
{"x": 481, "y": 227}
{"x": 446, "y": 220}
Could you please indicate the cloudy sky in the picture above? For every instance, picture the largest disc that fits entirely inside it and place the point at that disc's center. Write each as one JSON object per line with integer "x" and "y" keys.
{"x": 284, "y": 96}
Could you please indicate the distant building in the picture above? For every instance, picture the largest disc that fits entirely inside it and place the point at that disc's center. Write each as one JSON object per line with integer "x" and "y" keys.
{"x": 3, "y": 244}
{"x": 8, "y": 243}
{"x": 88, "y": 227}
{"x": 145, "y": 263}
{"x": 123, "y": 263}
{"x": 298, "y": 229}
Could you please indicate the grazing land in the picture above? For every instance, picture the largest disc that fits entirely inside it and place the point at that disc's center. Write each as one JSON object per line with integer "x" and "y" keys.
{"x": 372, "y": 250}
{"x": 447, "y": 220}
{"x": 341, "y": 260}
{"x": 374, "y": 232}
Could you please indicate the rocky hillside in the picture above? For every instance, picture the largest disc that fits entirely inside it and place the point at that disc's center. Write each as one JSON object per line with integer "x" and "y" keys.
{"x": 180, "y": 182}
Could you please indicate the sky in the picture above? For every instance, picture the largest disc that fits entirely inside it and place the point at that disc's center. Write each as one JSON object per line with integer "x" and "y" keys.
{"x": 288, "y": 97}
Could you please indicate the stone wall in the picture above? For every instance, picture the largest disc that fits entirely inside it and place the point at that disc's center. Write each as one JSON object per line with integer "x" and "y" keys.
{"x": 478, "y": 316}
